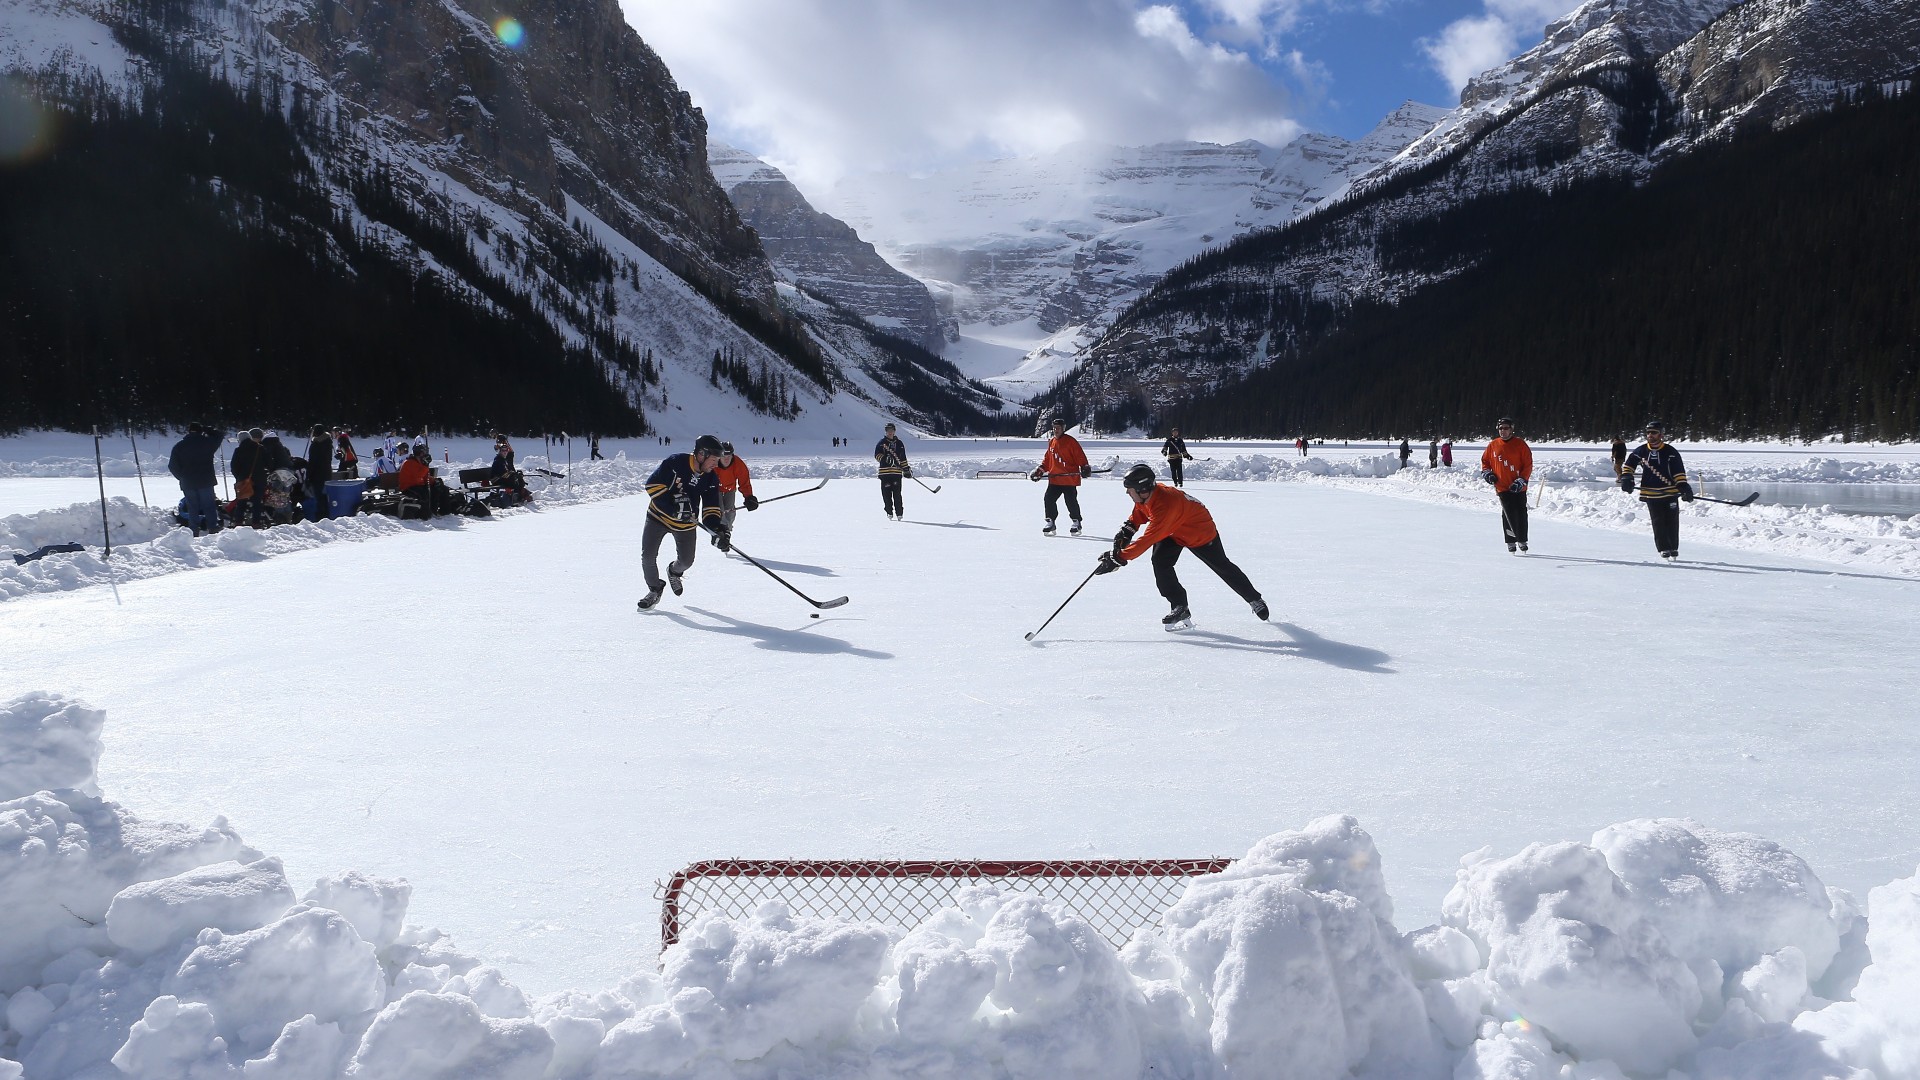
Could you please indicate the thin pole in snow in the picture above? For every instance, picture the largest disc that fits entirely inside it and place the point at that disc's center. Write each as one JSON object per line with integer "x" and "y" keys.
{"x": 100, "y": 473}
{"x": 136, "y": 467}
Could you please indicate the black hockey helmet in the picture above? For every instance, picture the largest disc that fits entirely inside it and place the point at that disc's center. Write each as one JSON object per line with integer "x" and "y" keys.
{"x": 1139, "y": 479}
{"x": 1505, "y": 421}
{"x": 726, "y": 448}
{"x": 708, "y": 445}
{"x": 1655, "y": 425}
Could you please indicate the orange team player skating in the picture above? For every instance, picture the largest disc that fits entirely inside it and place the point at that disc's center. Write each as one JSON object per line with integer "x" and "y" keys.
{"x": 1176, "y": 522}
{"x": 1507, "y": 464}
{"x": 1062, "y": 467}
{"x": 734, "y": 479}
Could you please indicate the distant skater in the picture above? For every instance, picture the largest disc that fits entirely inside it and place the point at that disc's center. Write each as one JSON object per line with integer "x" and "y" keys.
{"x": 1507, "y": 464}
{"x": 735, "y": 480}
{"x": 683, "y": 495}
{"x": 593, "y": 448}
{"x": 1663, "y": 487}
{"x": 1619, "y": 452}
{"x": 891, "y": 454}
{"x": 1063, "y": 467}
{"x": 1176, "y": 522}
{"x": 1175, "y": 451}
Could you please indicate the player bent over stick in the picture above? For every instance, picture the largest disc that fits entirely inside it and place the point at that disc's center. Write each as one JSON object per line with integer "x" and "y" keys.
{"x": 1175, "y": 521}
{"x": 683, "y": 493}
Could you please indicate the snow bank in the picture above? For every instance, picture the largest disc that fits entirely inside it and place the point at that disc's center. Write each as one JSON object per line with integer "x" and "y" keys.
{"x": 1662, "y": 948}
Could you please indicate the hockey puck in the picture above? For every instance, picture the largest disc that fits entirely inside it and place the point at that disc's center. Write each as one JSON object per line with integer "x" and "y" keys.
{"x": 815, "y": 615}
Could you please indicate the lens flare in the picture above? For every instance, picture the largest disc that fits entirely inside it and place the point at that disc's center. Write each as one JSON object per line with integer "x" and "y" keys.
{"x": 510, "y": 32}
{"x": 26, "y": 128}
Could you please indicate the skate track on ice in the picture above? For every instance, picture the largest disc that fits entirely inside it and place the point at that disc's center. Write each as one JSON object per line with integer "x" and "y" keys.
{"x": 482, "y": 711}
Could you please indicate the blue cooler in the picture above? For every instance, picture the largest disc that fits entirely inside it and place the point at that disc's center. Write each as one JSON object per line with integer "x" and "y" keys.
{"x": 343, "y": 497}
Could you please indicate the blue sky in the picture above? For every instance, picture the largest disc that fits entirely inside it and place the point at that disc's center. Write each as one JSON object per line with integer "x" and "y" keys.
{"x": 824, "y": 88}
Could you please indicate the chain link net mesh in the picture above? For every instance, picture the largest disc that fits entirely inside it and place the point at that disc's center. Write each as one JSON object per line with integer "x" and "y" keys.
{"x": 1114, "y": 896}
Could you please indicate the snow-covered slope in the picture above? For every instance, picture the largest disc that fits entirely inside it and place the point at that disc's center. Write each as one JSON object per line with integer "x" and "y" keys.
{"x": 1038, "y": 254}
{"x": 1616, "y": 89}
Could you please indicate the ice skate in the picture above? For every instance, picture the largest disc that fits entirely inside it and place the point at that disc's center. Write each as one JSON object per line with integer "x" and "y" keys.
{"x": 1049, "y": 530}
{"x": 652, "y": 598}
{"x": 1177, "y": 619}
{"x": 1259, "y": 609}
{"x": 673, "y": 578}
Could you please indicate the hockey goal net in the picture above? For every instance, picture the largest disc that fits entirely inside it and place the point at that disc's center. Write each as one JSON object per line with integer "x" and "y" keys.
{"x": 1114, "y": 896}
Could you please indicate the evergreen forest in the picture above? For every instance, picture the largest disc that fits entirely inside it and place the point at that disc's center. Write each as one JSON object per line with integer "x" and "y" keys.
{"x": 1764, "y": 286}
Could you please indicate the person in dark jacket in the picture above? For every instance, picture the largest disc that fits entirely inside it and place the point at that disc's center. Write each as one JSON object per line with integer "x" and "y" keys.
{"x": 191, "y": 462}
{"x": 349, "y": 458}
{"x": 319, "y": 468}
{"x": 1663, "y": 487}
{"x": 683, "y": 495}
{"x": 891, "y": 455}
{"x": 1619, "y": 452}
{"x": 1175, "y": 451}
{"x": 1406, "y": 453}
{"x": 249, "y": 479}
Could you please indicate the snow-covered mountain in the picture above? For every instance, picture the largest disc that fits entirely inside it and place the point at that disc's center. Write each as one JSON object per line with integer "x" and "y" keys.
{"x": 824, "y": 255}
{"x": 538, "y": 168}
{"x": 1040, "y": 253}
{"x": 1616, "y": 89}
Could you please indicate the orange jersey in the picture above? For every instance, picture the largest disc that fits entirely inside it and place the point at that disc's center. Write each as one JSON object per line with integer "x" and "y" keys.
{"x": 734, "y": 477}
{"x": 1510, "y": 460}
{"x": 1063, "y": 461}
{"x": 413, "y": 473}
{"x": 1170, "y": 514}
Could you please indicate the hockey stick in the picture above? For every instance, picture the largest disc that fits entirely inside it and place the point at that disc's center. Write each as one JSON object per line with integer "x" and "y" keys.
{"x": 822, "y": 604}
{"x": 1063, "y": 605}
{"x": 1748, "y": 501}
{"x": 1000, "y": 474}
{"x": 791, "y": 494}
{"x": 935, "y": 489}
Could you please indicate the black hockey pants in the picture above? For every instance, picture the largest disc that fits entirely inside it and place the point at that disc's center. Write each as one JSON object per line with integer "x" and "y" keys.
{"x": 890, "y": 495}
{"x": 1214, "y": 554}
{"x": 1665, "y": 514}
{"x": 1054, "y": 492}
{"x": 685, "y": 544}
{"x": 1513, "y": 516}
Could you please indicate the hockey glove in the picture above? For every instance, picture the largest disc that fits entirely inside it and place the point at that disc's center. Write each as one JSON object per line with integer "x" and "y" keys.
{"x": 1122, "y": 538}
{"x": 1626, "y": 482}
{"x": 1109, "y": 562}
{"x": 1086, "y": 471}
{"x": 1518, "y": 487}
{"x": 1035, "y": 475}
{"x": 1487, "y": 475}
{"x": 723, "y": 538}
{"x": 906, "y": 470}
{"x": 1686, "y": 491}
{"x": 752, "y": 503}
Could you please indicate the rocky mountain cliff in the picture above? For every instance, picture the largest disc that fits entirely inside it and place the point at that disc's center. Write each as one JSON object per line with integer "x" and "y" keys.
{"x": 1617, "y": 89}
{"x": 528, "y": 182}
{"x": 823, "y": 254}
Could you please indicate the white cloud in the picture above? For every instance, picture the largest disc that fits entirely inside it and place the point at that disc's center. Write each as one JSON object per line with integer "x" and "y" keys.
{"x": 823, "y": 88}
{"x": 1466, "y": 47}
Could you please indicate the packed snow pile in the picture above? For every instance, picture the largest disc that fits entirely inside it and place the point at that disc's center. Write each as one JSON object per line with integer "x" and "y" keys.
{"x": 1660, "y": 949}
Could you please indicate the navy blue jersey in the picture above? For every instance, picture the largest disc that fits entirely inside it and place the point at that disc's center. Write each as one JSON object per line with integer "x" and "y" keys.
{"x": 1661, "y": 471}
{"x": 891, "y": 453}
{"x": 682, "y": 499}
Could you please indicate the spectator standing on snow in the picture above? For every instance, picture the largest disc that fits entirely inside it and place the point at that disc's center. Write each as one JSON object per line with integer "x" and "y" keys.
{"x": 1062, "y": 466}
{"x": 593, "y": 448}
{"x": 1175, "y": 522}
{"x": 191, "y": 462}
{"x": 1663, "y": 485}
{"x": 891, "y": 454}
{"x": 735, "y": 479}
{"x": 1175, "y": 451}
{"x": 249, "y": 479}
{"x": 1433, "y": 453}
{"x": 1446, "y": 453}
{"x": 1406, "y": 453}
{"x": 1619, "y": 451}
{"x": 1507, "y": 464}
{"x": 319, "y": 468}
{"x": 349, "y": 460}
{"x": 683, "y": 495}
